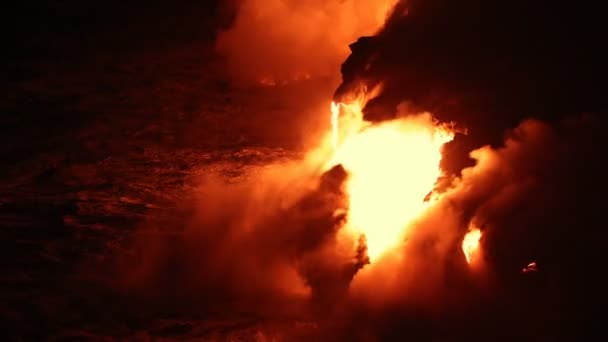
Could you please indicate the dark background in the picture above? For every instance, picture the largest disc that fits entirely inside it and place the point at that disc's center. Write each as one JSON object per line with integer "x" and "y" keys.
{"x": 108, "y": 111}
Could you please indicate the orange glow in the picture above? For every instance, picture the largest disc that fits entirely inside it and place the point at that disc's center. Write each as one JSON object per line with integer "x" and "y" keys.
{"x": 335, "y": 113}
{"x": 532, "y": 267}
{"x": 274, "y": 42}
{"x": 470, "y": 244}
{"x": 392, "y": 167}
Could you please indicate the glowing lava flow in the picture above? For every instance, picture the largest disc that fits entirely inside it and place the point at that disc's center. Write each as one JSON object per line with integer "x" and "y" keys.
{"x": 392, "y": 167}
{"x": 335, "y": 114}
{"x": 470, "y": 244}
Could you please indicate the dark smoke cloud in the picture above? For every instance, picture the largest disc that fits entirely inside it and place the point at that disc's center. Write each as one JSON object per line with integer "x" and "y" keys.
{"x": 484, "y": 64}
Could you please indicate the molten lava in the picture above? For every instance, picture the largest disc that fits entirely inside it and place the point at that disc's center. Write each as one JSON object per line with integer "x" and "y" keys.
{"x": 335, "y": 113}
{"x": 470, "y": 244}
{"x": 392, "y": 167}
{"x": 532, "y": 267}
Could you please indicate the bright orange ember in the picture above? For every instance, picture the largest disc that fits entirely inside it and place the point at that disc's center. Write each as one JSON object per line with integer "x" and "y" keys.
{"x": 470, "y": 244}
{"x": 392, "y": 167}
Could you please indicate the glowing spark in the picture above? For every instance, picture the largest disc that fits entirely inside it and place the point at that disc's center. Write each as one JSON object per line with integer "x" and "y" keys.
{"x": 532, "y": 267}
{"x": 392, "y": 167}
{"x": 470, "y": 244}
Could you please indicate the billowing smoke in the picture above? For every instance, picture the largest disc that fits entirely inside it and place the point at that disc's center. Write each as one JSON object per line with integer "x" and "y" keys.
{"x": 276, "y": 41}
{"x": 538, "y": 197}
{"x": 269, "y": 237}
{"x": 534, "y": 187}
{"x": 485, "y": 65}
{"x": 269, "y": 243}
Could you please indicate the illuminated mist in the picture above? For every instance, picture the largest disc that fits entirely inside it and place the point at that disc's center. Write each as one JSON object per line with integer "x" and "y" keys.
{"x": 360, "y": 220}
{"x": 278, "y": 41}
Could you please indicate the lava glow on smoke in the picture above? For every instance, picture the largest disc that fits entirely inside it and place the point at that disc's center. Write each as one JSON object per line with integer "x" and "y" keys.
{"x": 284, "y": 32}
{"x": 392, "y": 168}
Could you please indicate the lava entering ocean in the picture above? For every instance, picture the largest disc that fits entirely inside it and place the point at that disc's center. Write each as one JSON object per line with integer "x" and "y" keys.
{"x": 370, "y": 192}
{"x": 392, "y": 166}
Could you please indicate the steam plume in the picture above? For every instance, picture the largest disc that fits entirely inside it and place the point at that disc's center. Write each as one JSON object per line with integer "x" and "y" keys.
{"x": 536, "y": 198}
{"x": 537, "y": 194}
{"x": 275, "y": 41}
